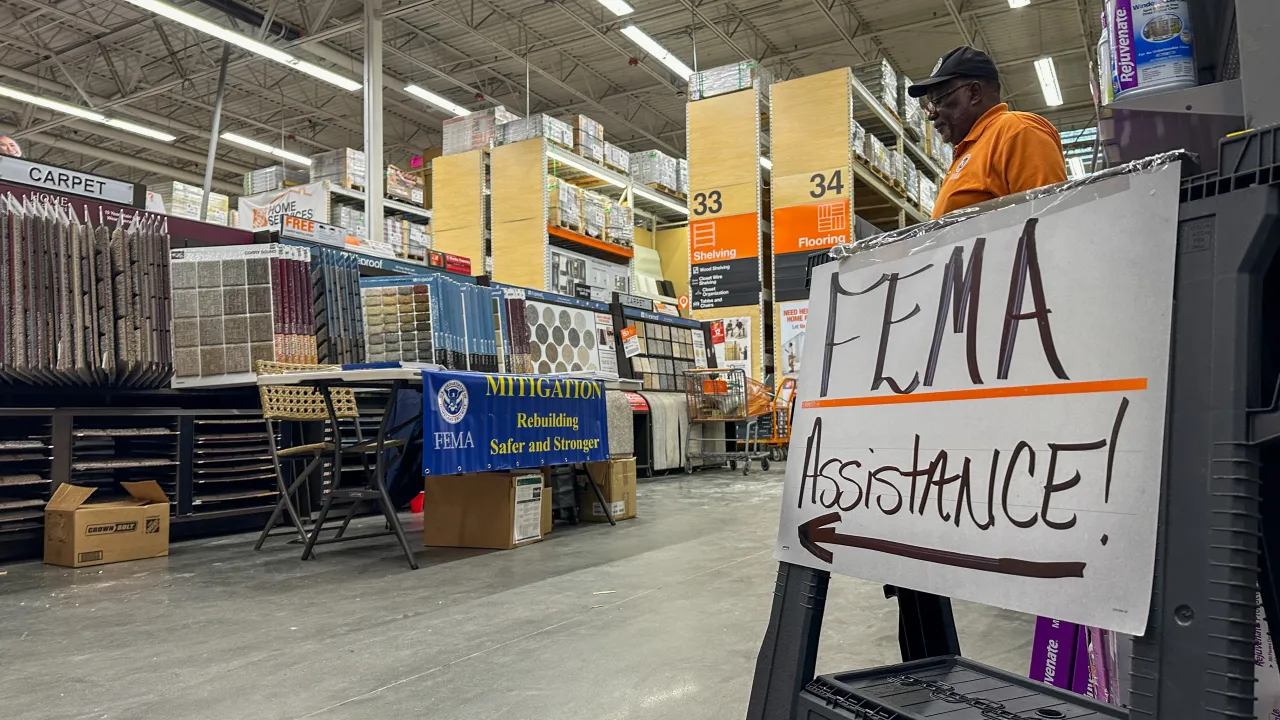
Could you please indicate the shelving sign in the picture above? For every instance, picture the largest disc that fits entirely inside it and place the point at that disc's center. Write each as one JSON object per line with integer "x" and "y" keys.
{"x": 724, "y": 247}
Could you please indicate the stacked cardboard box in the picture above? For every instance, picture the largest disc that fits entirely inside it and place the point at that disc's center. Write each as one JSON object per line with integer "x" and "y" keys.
{"x": 878, "y": 155}
{"x": 345, "y": 216}
{"x": 535, "y": 126}
{"x": 344, "y": 167}
{"x": 619, "y": 225}
{"x": 564, "y": 204}
{"x": 617, "y": 158}
{"x": 858, "y": 139}
{"x": 897, "y": 170}
{"x": 183, "y": 200}
{"x": 729, "y": 78}
{"x": 419, "y": 241}
{"x": 404, "y": 185}
{"x": 276, "y": 177}
{"x": 911, "y": 176}
{"x": 682, "y": 176}
{"x": 588, "y": 138}
{"x": 928, "y": 193}
{"x": 494, "y": 510}
{"x": 882, "y": 81}
{"x": 475, "y": 131}
{"x": 913, "y": 120}
{"x": 594, "y": 214}
{"x": 617, "y": 482}
{"x": 651, "y": 167}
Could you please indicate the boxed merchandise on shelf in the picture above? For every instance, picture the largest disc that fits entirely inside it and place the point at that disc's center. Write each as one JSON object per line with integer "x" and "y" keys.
{"x": 344, "y": 167}
{"x": 620, "y": 224}
{"x": 616, "y": 158}
{"x": 588, "y": 138}
{"x": 928, "y": 193}
{"x": 474, "y": 131}
{"x": 183, "y": 200}
{"x": 858, "y": 139}
{"x": 276, "y": 177}
{"x": 913, "y": 120}
{"x": 882, "y": 81}
{"x": 878, "y": 154}
{"x": 911, "y": 176}
{"x": 897, "y": 171}
{"x": 535, "y": 126}
{"x": 350, "y": 218}
{"x": 404, "y": 185}
{"x": 564, "y": 204}
{"x": 583, "y": 125}
{"x": 419, "y": 241}
{"x": 650, "y": 167}
{"x": 593, "y": 213}
{"x": 682, "y": 176}
{"x": 729, "y": 78}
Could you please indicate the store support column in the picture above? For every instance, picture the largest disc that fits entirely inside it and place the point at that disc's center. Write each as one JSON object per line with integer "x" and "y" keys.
{"x": 728, "y": 273}
{"x": 373, "y": 121}
{"x": 812, "y": 194}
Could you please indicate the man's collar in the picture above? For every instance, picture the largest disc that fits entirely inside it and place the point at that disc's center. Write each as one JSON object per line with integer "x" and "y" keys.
{"x": 987, "y": 118}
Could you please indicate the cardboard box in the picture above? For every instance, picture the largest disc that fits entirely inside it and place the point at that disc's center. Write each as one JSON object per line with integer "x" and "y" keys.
{"x": 495, "y": 511}
{"x": 617, "y": 481}
{"x": 78, "y": 534}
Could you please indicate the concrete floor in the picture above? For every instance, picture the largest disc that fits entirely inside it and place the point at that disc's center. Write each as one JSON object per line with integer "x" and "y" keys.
{"x": 218, "y": 631}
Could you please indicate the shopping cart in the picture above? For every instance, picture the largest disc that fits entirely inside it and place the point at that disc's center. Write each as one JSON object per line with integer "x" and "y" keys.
{"x": 723, "y": 396}
{"x": 783, "y": 407}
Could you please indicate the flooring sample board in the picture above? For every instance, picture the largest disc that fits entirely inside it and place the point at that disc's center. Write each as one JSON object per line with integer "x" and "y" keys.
{"x": 236, "y": 305}
{"x": 620, "y": 424}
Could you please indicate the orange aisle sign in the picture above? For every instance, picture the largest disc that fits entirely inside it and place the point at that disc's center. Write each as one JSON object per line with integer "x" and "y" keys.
{"x": 736, "y": 237}
{"x": 811, "y": 227}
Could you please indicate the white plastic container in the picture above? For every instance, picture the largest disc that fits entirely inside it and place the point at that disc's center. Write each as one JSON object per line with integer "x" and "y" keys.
{"x": 1152, "y": 46}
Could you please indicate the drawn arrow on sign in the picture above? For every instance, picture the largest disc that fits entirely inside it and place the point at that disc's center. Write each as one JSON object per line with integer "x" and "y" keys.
{"x": 818, "y": 532}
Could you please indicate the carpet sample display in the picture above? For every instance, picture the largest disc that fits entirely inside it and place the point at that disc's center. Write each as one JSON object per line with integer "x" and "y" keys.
{"x": 339, "y": 312}
{"x": 569, "y": 335}
{"x": 86, "y": 301}
{"x": 621, "y": 428}
{"x": 236, "y": 305}
{"x": 432, "y": 318}
{"x": 669, "y": 418}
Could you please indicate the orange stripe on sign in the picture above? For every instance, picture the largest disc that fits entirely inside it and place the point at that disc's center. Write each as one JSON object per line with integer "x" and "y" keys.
{"x": 1066, "y": 388}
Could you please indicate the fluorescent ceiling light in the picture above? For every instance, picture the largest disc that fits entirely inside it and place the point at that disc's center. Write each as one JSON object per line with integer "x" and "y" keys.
{"x": 85, "y": 114}
{"x": 766, "y": 163}
{"x": 617, "y": 7}
{"x": 265, "y": 148}
{"x": 437, "y": 100}
{"x": 648, "y": 194}
{"x": 141, "y": 130}
{"x": 652, "y": 47}
{"x": 225, "y": 34}
{"x": 584, "y": 166}
{"x": 1019, "y": 3}
{"x": 1076, "y": 165}
{"x": 1048, "y": 75}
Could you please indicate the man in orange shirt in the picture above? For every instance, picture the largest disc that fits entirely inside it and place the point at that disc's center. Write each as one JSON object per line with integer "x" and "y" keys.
{"x": 998, "y": 152}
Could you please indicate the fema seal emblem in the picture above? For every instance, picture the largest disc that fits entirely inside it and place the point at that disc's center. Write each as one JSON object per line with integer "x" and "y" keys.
{"x": 452, "y": 401}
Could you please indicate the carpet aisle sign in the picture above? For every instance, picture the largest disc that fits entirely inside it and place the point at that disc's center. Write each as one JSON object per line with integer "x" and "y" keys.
{"x": 981, "y": 409}
{"x": 480, "y": 422}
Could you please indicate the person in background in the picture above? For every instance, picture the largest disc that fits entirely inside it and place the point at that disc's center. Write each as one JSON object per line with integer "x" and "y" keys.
{"x": 10, "y": 147}
{"x": 998, "y": 151}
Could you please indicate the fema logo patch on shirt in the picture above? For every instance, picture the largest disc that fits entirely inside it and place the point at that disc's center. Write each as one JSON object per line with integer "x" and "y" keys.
{"x": 960, "y": 166}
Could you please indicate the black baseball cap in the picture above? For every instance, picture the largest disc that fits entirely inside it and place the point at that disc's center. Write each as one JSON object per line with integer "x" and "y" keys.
{"x": 963, "y": 62}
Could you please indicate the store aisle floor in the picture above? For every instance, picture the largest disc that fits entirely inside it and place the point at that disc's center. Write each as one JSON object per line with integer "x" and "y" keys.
{"x": 659, "y": 618}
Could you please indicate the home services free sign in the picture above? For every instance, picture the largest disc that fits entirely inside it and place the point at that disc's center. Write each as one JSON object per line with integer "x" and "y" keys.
{"x": 981, "y": 411}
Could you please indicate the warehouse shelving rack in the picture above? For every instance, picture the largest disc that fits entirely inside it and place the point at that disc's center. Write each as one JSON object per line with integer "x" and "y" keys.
{"x": 1219, "y": 534}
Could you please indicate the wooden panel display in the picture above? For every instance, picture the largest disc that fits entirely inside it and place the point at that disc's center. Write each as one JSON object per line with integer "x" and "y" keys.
{"x": 519, "y": 182}
{"x": 457, "y": 219}
{"x": 813, "y": 185}
{"x": 724, "y": 141}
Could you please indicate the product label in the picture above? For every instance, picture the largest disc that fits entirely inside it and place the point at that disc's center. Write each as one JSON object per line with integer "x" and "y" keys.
{"x": 528, "y": 517}
{"x": 1151, "y": 43}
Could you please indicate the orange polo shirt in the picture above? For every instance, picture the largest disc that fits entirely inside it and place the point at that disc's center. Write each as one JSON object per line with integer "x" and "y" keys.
{"x": 1004, "y": 153}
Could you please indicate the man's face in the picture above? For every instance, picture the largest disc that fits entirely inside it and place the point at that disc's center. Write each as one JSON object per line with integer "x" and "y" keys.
{"x": 951, "y": 109}
{"x": 9, "y": 146}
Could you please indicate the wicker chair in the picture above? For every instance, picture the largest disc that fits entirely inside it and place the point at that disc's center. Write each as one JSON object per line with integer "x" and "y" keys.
{"x": 305, "y": 404}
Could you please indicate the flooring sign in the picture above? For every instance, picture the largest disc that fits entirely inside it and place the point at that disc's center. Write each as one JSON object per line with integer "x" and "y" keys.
{"x": 981, "y": 413}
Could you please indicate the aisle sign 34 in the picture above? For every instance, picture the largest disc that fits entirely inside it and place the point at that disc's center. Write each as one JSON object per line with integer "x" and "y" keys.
{"x": 981, "y": 410}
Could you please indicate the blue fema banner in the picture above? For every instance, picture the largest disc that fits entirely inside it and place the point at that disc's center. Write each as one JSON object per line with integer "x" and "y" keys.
{"x": 477, "y": 422}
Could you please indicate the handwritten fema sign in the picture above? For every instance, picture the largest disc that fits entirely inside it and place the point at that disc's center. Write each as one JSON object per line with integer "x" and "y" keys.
{"x": 981, "y": 411}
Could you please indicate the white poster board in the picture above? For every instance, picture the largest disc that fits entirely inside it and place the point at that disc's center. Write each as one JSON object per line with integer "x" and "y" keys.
{"x": 981, "y": 413}
{"x": 264, "y": 210}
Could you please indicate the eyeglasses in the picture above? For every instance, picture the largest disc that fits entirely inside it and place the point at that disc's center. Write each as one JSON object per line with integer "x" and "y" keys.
{"x": 929, "y": 105}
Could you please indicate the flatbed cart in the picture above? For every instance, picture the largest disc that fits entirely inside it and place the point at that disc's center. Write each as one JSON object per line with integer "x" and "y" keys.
{"x": 783, "y": 408}
{"x": 724, "y": 396}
